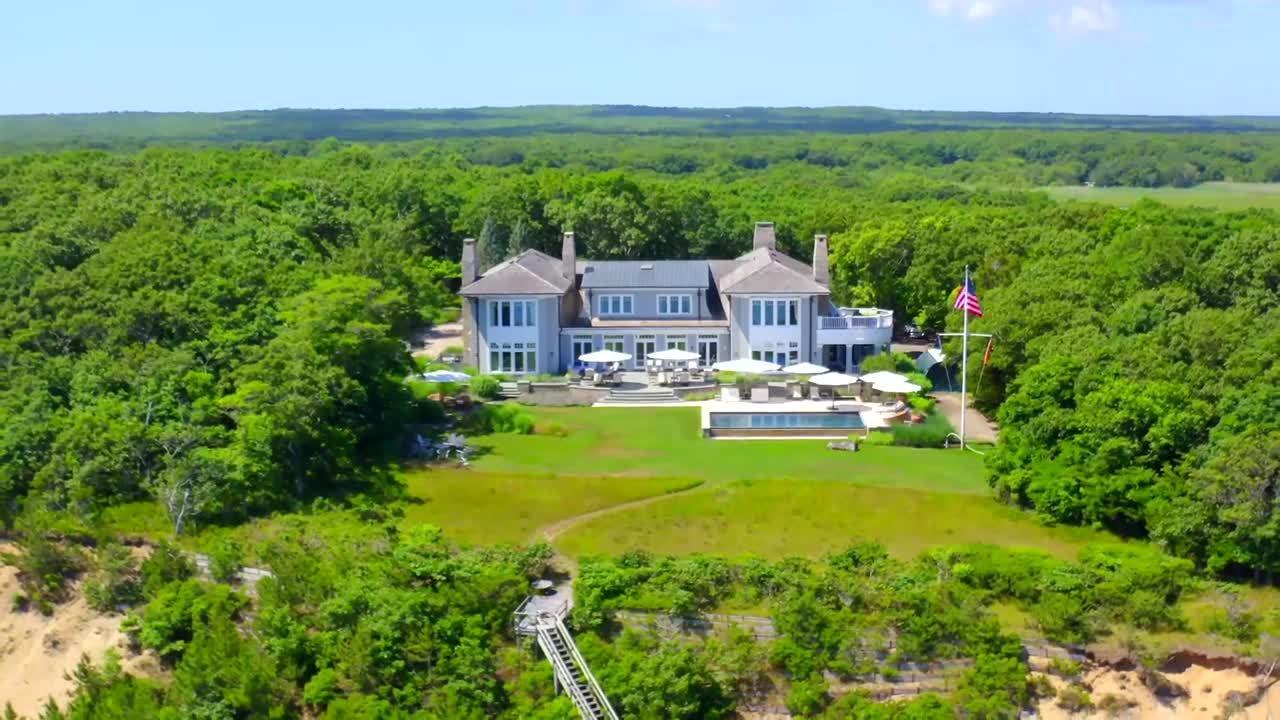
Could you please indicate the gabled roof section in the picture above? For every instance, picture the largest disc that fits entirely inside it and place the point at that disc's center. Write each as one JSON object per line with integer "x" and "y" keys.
{"x": 529, "y": 273}
{"x": 767, "y": 271}
{"x": 646, "y": 274}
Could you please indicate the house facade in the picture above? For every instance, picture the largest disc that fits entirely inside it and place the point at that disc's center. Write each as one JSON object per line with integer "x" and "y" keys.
{"x": 534, "y": 313}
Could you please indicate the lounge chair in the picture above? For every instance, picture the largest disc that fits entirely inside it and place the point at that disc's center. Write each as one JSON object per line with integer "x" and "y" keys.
{"x": 848, "y": 446}
{"x": 759, "y": 394}
{"x": 797, "y": 393}
{"x": 729, "y": 393}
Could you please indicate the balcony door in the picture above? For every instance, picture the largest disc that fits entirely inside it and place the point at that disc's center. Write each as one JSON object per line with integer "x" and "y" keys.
{"x": 709, "y": 350}
{"x": 644, "y": 346}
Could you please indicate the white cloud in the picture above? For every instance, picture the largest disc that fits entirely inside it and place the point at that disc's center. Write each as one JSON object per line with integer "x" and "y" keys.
{"x": 1067, "y": 16}
{"x": 1086, "y": 18}
{"x": 982, "y": 9}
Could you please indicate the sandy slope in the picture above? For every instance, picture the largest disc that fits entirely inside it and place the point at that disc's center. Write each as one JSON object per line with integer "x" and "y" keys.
{"x": 36, "y": 652}
{"x": 1208, "y": 688}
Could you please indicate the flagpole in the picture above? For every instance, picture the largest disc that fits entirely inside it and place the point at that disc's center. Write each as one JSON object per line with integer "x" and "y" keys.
{"x": 964, "y": 365}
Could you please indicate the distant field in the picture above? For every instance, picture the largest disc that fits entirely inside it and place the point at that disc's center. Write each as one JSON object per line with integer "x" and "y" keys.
{"x": 810, "y": 518}
{"x": 1220, "y": 195}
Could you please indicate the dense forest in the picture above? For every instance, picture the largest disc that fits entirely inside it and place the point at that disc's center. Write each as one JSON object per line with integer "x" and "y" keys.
{"x": 221, "y": 331}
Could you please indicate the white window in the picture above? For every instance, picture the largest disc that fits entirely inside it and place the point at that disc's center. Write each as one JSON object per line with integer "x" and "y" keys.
{"x": 777, "y": 357}
{"x": 675, "y": 304}
{"x": 614, "y": 343}
{"x": 615, "y": 304}
{"x": 677, "y": 343}
{"x": 513, "y": 358}
{"x": 513, "y": 313}
{"x": 775, "y": 312}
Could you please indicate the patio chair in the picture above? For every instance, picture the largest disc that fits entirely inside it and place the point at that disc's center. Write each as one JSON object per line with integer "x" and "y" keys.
{"x": 759, "y": 394}
{"x": 729, "y": 393}
{"x": 797, "y": 392}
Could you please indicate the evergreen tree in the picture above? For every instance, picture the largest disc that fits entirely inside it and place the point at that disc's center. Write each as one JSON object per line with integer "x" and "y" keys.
{"x": 520, "y": 239}
{"x": 489, "y": 247}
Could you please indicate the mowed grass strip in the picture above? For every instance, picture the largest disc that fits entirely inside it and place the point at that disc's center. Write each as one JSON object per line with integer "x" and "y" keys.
{"x": 483, "y": 507}
{"x": 640, "y": 442}
{"x": 1220, "y": 195}
{"x": 776, "y": 518}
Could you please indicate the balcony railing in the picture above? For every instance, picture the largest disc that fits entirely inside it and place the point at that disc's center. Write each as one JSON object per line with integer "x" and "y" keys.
{"x": 850, "y": 322}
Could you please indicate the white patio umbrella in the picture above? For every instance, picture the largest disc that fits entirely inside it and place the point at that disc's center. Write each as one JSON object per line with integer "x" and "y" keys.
{"x": 833, "y": 379}
{"x": 897, "y": 388}
{"x": 674, "y": 354}
{"x": 746, "y": 366}
{"x": 445, "y": 376}
{"x": 604, "y": 356}
{"x": 805, "y": 368}
{"x": 883, "y": 376}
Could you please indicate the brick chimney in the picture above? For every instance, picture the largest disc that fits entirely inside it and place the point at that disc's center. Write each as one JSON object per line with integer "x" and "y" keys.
{"x": 821, "y": 264}
{"x": 468, "y": 261}
{"x": 764, "y": 237}
{"x": 569, "y": 256}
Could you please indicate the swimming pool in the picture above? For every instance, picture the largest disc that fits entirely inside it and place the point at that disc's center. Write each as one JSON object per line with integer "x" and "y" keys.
{"x": 799, "y": 421}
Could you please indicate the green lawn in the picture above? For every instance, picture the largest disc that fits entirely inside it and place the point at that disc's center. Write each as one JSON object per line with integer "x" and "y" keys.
{"x": 812, "y": 517}
{"x": 1220, "y": 195}
{"x": 667, "y": 442}
{"x": 481, "y": 507}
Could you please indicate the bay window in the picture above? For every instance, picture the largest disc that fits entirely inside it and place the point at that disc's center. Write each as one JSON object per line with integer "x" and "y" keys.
{"x": 513, "y": 313}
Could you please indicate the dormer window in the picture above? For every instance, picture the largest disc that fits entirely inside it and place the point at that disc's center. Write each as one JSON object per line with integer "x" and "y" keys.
{"x": 675, "y": 304}
{"x": 615, "y": 305}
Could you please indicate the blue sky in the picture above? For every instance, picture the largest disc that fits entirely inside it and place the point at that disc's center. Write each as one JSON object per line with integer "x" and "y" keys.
{"x": 1094, "y": 56}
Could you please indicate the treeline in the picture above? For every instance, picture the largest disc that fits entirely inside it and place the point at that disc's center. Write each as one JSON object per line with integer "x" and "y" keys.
{"x": 220, "y": 330}
{"x": 1009, "y": 152}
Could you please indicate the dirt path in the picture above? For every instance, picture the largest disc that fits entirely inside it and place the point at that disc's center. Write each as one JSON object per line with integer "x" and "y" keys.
{"x": 563, "y": 525}
{"x": 434, "y": 341}
{"x": 977, "y": 427}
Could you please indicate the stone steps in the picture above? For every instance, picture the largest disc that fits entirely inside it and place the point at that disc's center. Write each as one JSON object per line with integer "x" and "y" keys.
{"x": 640, "y": 397}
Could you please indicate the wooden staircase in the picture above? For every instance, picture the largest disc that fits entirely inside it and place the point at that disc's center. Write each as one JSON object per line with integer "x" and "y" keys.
{"x": 571, "y": 671}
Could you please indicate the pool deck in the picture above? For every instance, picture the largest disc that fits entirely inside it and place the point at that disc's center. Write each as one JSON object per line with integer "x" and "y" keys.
{"x": 872, "y": 415}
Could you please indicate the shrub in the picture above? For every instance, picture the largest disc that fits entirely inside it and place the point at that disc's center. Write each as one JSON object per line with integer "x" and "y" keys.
{"x": 808, "y": 697}
{"x": 919, "y": 378}
{"x": 226, "y": 560}
{"x": 876, "y": 438}
{"x": 504, "y": 418}
{"x": 115, "y": 581}
{"x": 921, "y": 404}
{"x": 165, "y": 565}
{"x": 696, "y": 397}
{"x": 170, "y": 620}
{"x": 486, "y": 386}
{"x": 893, "y": 362}
{"x": 932, "y": 432}
{"x": 1074, "y": 699}
{"x": 45, "y": 567}
{"x": 554, "y": 429}
{"x": 454, "y": 350}
{"x": 1064, "y": 667}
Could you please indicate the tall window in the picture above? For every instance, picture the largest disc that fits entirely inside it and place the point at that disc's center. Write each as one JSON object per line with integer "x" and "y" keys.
{"x": 675, "y": 304}
{"x": 615, "y": 304}
{"x": 513, "y": 313}
{"x": 581, "y": 346}
{"x": 513, "y": 358}
{"x": 775, "y": 312}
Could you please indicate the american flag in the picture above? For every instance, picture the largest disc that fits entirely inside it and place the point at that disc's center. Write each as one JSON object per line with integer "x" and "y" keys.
{"x": 967, "y": 300}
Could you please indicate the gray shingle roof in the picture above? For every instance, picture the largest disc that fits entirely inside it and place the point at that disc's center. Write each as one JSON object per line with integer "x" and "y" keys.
{"x": 529, "y": 273}
{"x": 768, "y": 271}
{"x": 646, "y": 274}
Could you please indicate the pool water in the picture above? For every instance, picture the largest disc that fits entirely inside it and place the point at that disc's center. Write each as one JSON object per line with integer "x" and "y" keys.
{"x": 845, "y": 420}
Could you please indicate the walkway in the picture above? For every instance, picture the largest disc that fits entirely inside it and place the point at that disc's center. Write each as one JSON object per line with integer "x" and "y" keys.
{"x": 977, "y": 427}
{"x": 434, "y": 341}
